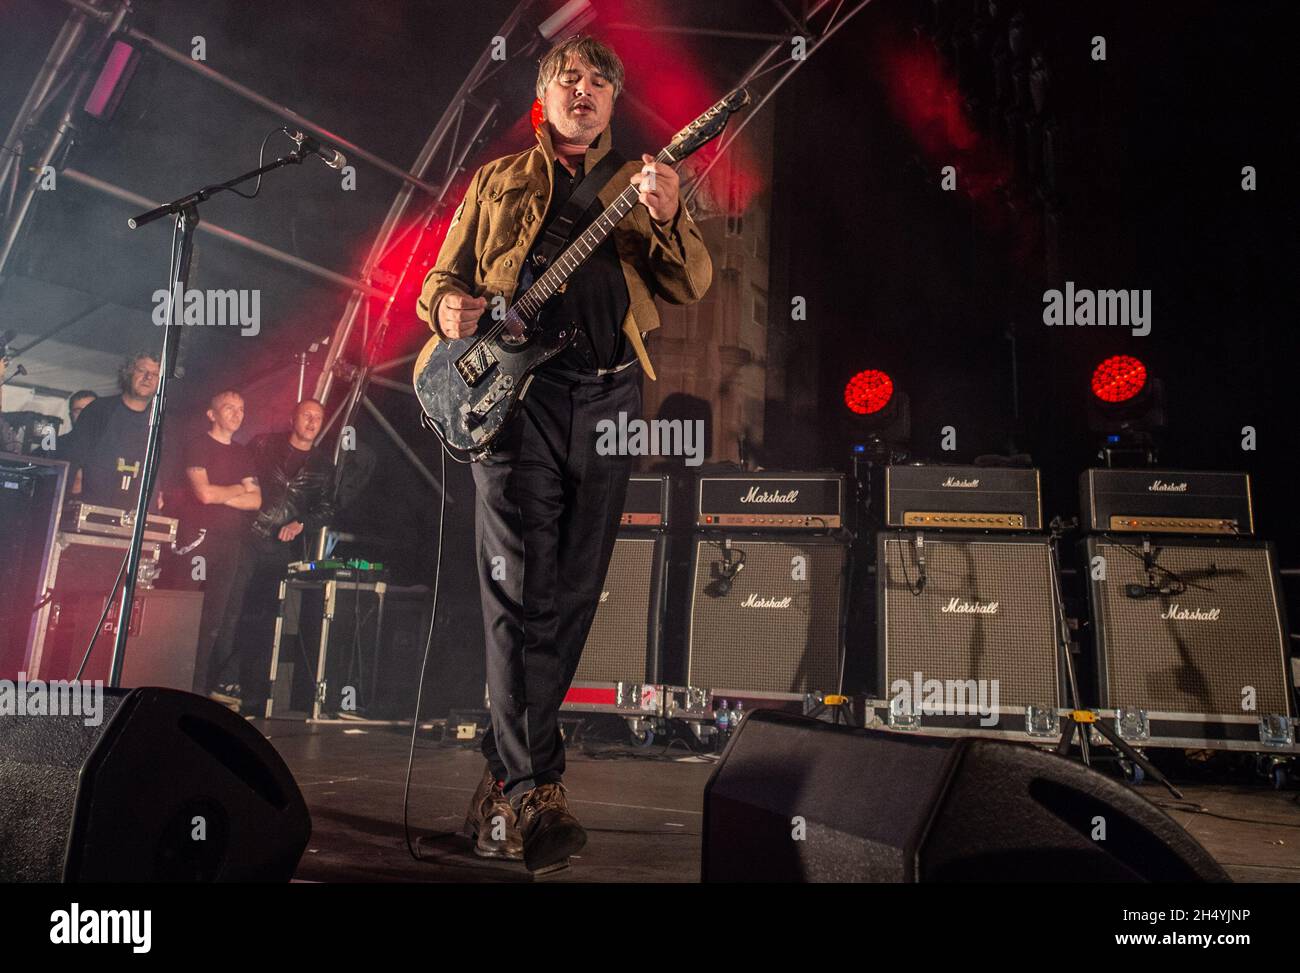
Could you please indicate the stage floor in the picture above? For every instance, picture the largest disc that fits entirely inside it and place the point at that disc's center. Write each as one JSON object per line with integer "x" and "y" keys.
{"x": 641, "y": 808}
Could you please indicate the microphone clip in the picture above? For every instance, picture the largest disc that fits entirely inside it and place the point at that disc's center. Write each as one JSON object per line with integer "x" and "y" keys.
{"x": 307, "y": 145}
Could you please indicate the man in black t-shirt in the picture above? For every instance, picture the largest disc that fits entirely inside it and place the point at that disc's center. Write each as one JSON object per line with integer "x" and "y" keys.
{"x": 223, "y": 496}
{"x": 105, "y": 449}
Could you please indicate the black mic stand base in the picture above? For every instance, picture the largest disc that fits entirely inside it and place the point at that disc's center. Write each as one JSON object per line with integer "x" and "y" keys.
{"x": 1079, "y": 720}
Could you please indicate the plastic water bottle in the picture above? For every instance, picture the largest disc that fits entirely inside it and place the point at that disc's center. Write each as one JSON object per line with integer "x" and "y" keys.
{"x": 737, "y": 714}
{"x": 722, "y": 721}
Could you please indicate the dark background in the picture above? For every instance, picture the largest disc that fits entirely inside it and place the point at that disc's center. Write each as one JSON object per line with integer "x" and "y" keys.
{"x": 925, "y": 284}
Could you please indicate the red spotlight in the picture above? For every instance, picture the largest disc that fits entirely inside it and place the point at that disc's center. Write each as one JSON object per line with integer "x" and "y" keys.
{"x": 868, "y": 392}
{"x": 1119, "y": 378}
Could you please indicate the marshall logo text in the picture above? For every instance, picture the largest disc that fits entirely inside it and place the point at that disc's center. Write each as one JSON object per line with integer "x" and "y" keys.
{"x": 956, "y": 606}
{"x": 754, "y": 601}
{"x": 1178, "y": 613}
{"x": 754, "y": 495}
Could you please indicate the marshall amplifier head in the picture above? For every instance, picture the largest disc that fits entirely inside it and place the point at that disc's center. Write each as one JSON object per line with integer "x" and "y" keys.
{"x": 963, "y": 498}
{"x": 647, "y": 501}
{"x": 1190, "y": 641}
{"x": 968, "y": 634}
{"x": 623, "y": 644}
{"x": 766, "y": 615}
{"x": 771, "y": 501}
{"x": 1166, "y": 502}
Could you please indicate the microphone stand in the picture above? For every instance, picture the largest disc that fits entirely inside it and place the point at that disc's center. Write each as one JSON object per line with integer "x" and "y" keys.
{"x": 1079, "y": 720}
{"x": 186, "y": 211}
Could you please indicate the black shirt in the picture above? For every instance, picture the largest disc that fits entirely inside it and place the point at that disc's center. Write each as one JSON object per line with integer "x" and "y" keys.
{"x": 108, "y": 447}
{"x": 595, "y": 301}
{"x": 226, "y": 464}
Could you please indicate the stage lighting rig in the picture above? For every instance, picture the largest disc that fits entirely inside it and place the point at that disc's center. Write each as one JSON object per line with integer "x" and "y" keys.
{"x": 881, "y": 421}
{"x": 111, "y": 84}
{"x": 1126, "y": 408}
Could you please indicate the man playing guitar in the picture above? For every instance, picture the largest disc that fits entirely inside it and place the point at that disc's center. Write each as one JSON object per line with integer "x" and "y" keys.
{"x": 548, "y": 502}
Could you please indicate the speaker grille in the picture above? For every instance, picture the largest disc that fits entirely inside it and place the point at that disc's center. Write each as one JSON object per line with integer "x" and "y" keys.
{"x": 928, "y": 633}
{"x": 620, "y": 644}
{"x": 778, "y": 627}
{"x": 1197, "y": 664}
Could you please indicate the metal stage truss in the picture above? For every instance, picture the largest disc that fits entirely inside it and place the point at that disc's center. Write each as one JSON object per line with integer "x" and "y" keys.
{"x": 78, "y": 50}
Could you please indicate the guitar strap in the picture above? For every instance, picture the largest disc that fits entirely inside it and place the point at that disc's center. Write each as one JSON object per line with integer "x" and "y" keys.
{"x": 560, "y": 231}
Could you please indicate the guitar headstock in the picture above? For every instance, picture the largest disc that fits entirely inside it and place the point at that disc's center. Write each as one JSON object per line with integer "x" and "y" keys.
{"x": 708, "y": 126}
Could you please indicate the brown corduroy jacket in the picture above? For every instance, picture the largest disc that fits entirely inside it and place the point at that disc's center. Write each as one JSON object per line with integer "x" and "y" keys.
{"x": 495, "y": 226}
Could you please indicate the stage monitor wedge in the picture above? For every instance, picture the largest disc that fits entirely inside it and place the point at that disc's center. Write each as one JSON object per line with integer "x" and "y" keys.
{"x": 800, "y": 800}
{"x": 167, "y": 787}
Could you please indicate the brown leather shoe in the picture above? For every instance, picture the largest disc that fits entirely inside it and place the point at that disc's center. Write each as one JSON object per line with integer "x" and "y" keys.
{"x": 551, "y": 833}
{"x": 491, "y": 822}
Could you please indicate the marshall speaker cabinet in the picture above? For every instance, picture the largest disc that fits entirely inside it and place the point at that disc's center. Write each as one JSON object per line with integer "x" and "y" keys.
{"x": 765, "y": 616}
{"x": 1191, "y": 642}
{"x": 623, "y": 649}
{"x": 967, "y": 634}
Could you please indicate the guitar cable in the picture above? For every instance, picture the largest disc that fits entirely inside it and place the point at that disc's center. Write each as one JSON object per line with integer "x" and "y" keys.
{"x": 424, "y": 664}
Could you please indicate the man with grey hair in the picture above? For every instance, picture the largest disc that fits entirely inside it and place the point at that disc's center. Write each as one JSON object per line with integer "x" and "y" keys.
{"x": 105, "y": 450}
{"x": 548, "y": 501}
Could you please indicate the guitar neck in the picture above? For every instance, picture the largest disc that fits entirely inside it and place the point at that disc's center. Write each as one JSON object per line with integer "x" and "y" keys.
{"x": 576, "y": 253}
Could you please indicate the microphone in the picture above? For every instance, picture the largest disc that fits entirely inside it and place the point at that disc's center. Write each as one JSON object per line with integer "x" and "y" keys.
{"x": 330, "y": 155}
{"x": 921, "y": 577}
{"x": 725, "y": 570}
{"x": 1150, "y": 590}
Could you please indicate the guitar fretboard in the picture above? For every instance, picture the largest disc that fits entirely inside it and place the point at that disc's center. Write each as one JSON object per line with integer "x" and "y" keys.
{"x": 577, "y": 252}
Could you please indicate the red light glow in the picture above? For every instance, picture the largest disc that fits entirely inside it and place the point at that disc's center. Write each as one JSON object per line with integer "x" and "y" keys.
{"x": 1119, "y": 378}
{"x": 868, "y": 392}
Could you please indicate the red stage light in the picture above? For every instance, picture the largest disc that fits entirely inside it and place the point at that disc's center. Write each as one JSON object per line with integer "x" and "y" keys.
{"x": 111, "y": 84}
{"x": 868, "y": 392}
{"x": 1119, "y": 378}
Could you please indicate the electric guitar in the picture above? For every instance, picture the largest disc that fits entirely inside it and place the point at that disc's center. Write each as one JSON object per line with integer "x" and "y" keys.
{"x": 469, "y": 387}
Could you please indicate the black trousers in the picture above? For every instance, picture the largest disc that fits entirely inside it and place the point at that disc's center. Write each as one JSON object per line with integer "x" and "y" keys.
{"x": 268, "y": 563}
{"x": 228, "y": 564}
{"x": 546, "y": 520}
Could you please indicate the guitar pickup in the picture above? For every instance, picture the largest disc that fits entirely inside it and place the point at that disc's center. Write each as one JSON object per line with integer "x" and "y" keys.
{"x": 500, "y": 388}
{"x": 475, "y": 363}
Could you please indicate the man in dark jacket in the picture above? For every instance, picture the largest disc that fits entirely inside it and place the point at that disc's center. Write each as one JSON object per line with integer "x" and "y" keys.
{"x": 297, "y": 480}
{"x": 548, "y": 499}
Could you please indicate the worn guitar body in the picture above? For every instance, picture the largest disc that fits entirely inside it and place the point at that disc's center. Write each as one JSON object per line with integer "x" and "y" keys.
{"x": 469, "y": 387}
